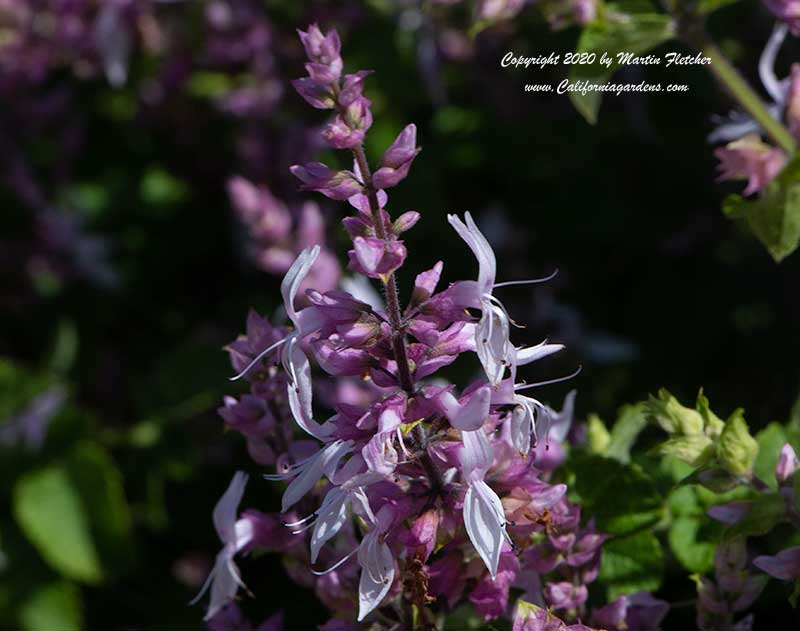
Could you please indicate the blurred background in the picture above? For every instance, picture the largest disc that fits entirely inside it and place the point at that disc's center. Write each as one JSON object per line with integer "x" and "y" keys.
{"x": 129, "y": 257}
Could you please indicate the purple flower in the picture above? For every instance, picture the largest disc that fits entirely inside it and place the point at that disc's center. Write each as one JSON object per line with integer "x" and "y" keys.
{"x": 784, "y": 566}
{"x": 490, "y": 597}
{"x": 749, "y": 158}
{"x": 397, "y": 159}
{"x": 788, "y": 11}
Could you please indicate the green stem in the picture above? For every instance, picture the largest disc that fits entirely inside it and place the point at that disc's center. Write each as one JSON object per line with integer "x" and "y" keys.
{"x": 727, "y": 74}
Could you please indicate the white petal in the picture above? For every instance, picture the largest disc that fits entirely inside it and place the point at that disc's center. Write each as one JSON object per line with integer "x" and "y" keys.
{"x": 563, "y": 419}
{"x": 332, "y": 516}
{"x": 311, "y": 472}
{"x": 521, "y": 426}
{"x": 476, "y": 455}
{"x": 377, "y": 573}
{"x": 224, "y": 515}
{"x": 491, "y": 342}
{"x": 294, "y": 277}
{"x": 530, "y": 354}
{"x": 300, "y": 391}
{"x": 487, "y": 265}
{"x": 225, "y": 584}
{"x": 483, "y": 521}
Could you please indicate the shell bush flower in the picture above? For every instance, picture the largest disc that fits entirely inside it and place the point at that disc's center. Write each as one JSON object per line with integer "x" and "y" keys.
{"x": 415, "y": 494}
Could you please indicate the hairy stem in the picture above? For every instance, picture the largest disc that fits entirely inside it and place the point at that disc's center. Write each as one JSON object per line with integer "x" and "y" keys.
{"x": 390, "y": 284}
{"x": 693, "y": 33}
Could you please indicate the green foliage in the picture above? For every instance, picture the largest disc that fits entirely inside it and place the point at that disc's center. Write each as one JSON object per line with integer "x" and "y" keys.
{"x": 635, "y": 33}
{"x": 49, "y": 511}
{"x": 770, "y": 441}
{"x": 766, "y": 511}
{"x": 631, "y": 421}
{"x": 53, "y": 607}
{"x": 597, "y": 486}
{"x": 631, "y": 564}
{"x": 774, "y": 216}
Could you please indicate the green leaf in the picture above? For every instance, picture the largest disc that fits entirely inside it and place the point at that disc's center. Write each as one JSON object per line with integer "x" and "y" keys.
{"x": 597, "y": 485}
{"x": 706, "y": 7}
{"x": 597, "y": 435}
{"x": 632, "y": 420}
{"x": 685, "y": 541}
{"x": 774, "y": 216}
{"x": 736, "y": 448}
{"x": 54, "y": 607}
{"x": 631, "y": 564}
{"x": 767, "y": 511}
{"x": 50, "y": 513}
{"x": 99, "y": 483}
{"x": 770, "y": 441}
{"x": 637, "y": 34}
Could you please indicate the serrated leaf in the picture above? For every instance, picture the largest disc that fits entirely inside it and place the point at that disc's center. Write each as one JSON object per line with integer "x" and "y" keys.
{"x": 597, "y": 484}
{"x": 774, "y": 216}
{"x": 631, "y": 564}
{"x": 636, "y": 33}
{"x": 50, "y": 513}
{"x": 54, "y": 607}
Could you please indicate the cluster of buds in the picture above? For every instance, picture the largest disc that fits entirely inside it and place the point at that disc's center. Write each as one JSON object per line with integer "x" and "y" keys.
{"x": 430, "y": 495}
{"x": 733, "y": 591}
{"x": 277, "y": 233}
{"x": 745, "y": 155}
{"x": 569, "y": 556}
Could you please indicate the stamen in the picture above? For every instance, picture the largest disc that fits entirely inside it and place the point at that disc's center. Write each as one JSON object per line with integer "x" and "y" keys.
{"x": 336, "y": 565}
{"x": 766, "y": 64}
{"x": 313, "y": 515}
{"x": 532, "y": 281}
{"x": 525, "y": 386}
{"x": 258, "y": 358}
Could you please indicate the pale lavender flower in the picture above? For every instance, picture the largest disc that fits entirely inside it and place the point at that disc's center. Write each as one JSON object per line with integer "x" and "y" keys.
{"x": 224, "y": 578}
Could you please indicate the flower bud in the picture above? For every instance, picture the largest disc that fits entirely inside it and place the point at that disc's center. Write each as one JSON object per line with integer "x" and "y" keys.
{"x": 375, "y": 257}
{"x": 316, "y": 176}
{"x": 405, "y": 222}
{"x": 316, "y": 95}
{"x": 736, "y": 448}
{"x": 398, "y": 158}
{"x": 787, "y": 464}
{"x": 673, "y": 417}
{"x": 352, "y": 87}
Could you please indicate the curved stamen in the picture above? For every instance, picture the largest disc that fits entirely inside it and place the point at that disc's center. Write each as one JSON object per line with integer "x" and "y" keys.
{"x": 258, "y": 358}
{"x": 336, "y": 565}
{"x": 525, "y": 386}
{"x": 532, "y": 281}
{"x": 766, "y": 64}
{"x": 300, "y": 521}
